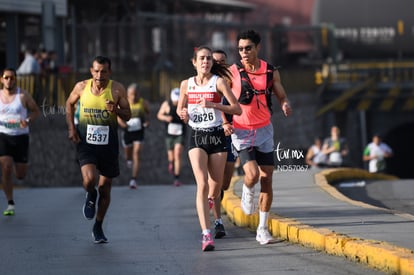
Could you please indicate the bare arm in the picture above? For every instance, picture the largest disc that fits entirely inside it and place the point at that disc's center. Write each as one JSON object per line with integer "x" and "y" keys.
{"x": 326, "y": 149}
{"x": 70, "y": 111}
{"x": 31, "y": 106}
{"x": 309, "y": 156}
{"x": 121, "y": 105}
{"x": 367, "y": 157}
{"x": 182, "y": 110}
{"x": 163, "y": 111}
{"x": 121, "y": 122}
{"x": 234, "y": 107}
{"x": 280, "y": 93}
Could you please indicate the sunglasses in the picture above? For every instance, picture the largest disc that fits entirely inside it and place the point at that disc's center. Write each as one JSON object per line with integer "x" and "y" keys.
{"x": 247, "y": 48}
{"x": 220, "y": 61}
{"x": 7, "y": 77}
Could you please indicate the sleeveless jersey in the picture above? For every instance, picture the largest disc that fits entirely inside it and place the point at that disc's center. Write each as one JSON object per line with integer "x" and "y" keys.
{"x": 10, "y": 116}
{"x": 256, "y": 114}
{"x": 176, "y": 127}
{"x": 203, "y": 117}
{"x": 97, "y": 126}
{"x": 135, "y": 123}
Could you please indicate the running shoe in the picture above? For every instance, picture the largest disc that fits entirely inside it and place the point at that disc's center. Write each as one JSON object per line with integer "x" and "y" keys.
{"x": 177, "y": 183}
{"x": 219, "y": 231}
{"x": 247, "y": 199}
{"x": 263, "y": 236}
{"x": 207, "y": 242}
{"x": 98, "y": 235}
{"x": 210, "y": 203}
{"x": 89, "y": 208}
{"x": 171, "y": 168}
{"x": 9, "y": 211}
{"x": 129, "y": 164}
{"x": 133, "y": 184}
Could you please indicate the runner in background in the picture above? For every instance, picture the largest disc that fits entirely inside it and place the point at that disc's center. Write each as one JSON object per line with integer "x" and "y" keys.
{"x": 17, "y": 111}
{"x": 175, "y": 134}
{"x": 134, "y": 130}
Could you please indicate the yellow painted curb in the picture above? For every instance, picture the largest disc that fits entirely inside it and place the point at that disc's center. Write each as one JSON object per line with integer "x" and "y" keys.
{"x": 376, "y": 254}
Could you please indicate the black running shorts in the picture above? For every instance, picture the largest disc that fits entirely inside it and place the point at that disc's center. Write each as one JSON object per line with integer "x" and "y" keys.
{"x": 211, "y": 140}
{"x": 16, "y": 147}
{"x": 105, "y": 159}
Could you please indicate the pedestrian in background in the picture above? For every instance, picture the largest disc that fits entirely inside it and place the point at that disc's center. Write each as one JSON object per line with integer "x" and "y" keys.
{"x": 30, "y": 64}
{"x": 134, "y": 131}
{"x": 17, "y": 111}
{"x": 200, "y": 105}
{"x": 175, "y": 134}
{"x": 376, "y": 154}
{"x": 314, "y": 156}
{"x": 254, "y": 82}
{"x": 335, "y": 148}
{"x": 102, "y": 100}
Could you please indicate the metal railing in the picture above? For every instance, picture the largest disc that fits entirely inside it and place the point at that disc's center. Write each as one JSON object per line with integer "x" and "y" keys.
{"x": 47, "y": 90}
{"x": 392, "y": 71}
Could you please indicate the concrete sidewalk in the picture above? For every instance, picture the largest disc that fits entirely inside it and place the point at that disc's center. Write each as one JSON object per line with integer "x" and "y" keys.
{"x": 309, "y": 211}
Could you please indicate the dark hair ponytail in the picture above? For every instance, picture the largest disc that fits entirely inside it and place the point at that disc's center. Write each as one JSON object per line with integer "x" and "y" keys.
{"x": 218, "y": 69}
{"x": 221, "y": 70}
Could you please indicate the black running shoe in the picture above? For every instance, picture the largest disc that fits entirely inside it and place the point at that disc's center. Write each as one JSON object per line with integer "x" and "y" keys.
{"x": 98, "y": 235}
{"x": 219, "y": 231}
{"x": 89, "y": 207}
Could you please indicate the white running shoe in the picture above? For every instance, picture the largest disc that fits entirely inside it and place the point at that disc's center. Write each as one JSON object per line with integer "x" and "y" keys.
{"x": 247, "y": 200}
{"x": 133, "y": 184}
{"x": 263, "y": 236}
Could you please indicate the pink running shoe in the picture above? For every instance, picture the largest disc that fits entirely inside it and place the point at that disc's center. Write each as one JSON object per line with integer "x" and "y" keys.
{"x": 171, "y": 168}
{"x": 207, "y": 243}
{"x": 177, "y": 183}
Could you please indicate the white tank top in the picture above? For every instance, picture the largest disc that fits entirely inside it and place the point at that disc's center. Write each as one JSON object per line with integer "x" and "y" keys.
{"x": 10, "y": 116}
{"x": 203, "y": 117}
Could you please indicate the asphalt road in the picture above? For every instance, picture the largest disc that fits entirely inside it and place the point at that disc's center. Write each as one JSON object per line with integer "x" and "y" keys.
{"x": 151, "y": 230}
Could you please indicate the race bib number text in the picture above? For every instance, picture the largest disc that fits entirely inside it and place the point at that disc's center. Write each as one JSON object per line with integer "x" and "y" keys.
{"x": 97, "y": 134}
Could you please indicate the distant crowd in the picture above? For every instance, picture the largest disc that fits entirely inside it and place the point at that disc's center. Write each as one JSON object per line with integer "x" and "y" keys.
{"x": 331, "y": 152}
{"x": 40, "y": 62}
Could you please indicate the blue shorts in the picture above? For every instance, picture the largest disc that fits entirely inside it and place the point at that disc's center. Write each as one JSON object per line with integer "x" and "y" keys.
{"x": 231, "y": 153}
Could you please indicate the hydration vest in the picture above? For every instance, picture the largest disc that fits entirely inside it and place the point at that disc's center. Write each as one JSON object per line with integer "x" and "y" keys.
{"x": 248, "y": 92}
